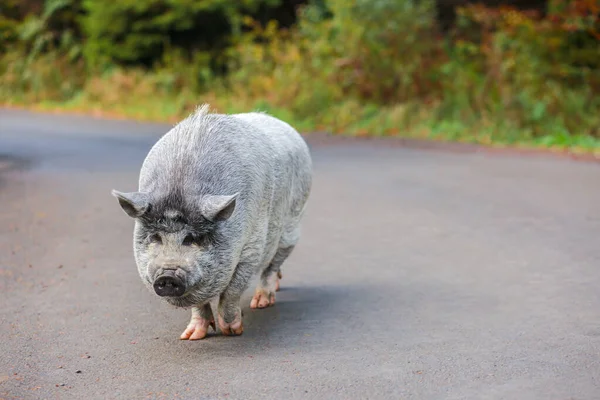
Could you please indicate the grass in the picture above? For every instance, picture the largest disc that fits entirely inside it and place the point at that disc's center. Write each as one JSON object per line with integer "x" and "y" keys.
{"x": 503, "y": 79}
{"x": 373, "y": 122}
{"x": 164, "y": 96}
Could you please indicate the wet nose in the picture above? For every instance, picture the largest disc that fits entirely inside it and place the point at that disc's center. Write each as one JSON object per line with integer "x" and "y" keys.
{"x": 169, "y": 285}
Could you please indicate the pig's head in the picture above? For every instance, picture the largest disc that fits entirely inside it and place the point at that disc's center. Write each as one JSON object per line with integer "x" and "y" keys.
{"x": 181, "y": 247}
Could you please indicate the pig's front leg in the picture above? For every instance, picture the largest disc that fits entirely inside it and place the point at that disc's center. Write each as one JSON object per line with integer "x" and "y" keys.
{"x": 230, "y": 313}
{"x": 202, "y": 318}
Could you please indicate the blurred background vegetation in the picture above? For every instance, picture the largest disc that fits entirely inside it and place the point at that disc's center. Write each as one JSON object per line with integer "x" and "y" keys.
{"x": 518, "y": 72}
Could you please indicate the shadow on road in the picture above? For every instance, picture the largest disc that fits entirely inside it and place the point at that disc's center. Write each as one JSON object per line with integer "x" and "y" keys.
{"x": 303, "y": 318}
{"x": 9, "y": 163}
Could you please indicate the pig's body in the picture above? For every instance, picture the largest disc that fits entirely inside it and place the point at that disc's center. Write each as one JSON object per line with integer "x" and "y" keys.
{"x": 220, "y": 200}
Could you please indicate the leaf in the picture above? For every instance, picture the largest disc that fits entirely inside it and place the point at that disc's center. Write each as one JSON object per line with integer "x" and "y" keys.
{"x": 539, "y": 110}
{"x": 52, "y": 6}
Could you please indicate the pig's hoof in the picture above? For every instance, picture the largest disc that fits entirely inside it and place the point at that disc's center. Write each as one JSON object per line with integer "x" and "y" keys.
{"x": 234, "y": 328}
{"x": 262, "y": 299}
{"x": 197, "y": 329}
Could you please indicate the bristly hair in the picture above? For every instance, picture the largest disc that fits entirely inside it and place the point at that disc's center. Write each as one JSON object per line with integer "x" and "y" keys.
{"x": 173, "y": 213}
{"x": 201, "y": 111}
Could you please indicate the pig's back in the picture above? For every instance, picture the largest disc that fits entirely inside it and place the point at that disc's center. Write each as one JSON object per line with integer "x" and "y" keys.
{"x": 290, "y": 180}
{"x": 281, "y": 141}
{"x": 253, "y": 153}
{"x": 216, "y": 145}
{"x": 289, "y": 152}
{"x": 258, "y": 156}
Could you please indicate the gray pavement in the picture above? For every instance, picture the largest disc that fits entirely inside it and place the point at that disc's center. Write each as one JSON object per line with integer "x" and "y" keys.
{"x": 420, "y": 275}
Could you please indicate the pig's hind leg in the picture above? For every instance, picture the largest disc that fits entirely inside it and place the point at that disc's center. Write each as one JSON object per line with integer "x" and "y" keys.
{"x": 264, "y": 296}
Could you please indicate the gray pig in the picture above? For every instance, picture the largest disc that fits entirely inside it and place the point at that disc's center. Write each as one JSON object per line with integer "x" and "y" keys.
{"x": 220, "y": 201}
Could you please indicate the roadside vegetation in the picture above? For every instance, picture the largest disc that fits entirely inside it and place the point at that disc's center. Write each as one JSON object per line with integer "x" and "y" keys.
{"x": 495, "y": 76}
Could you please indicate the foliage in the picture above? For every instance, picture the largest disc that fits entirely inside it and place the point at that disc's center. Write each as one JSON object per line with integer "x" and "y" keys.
{"x": 506, "y": 74}
{"x": 382, "y": 67}
{"x": 519, "y": 71}
{"x": 373, "y": 56}
{"x": 52, "y": 65}
{"x": 9, "y": 23}
{"x": 141, "y": 31}
{"x": 50, "y": 76}
{"x": 358, "y": 52}
{"x": 54, "y": 29}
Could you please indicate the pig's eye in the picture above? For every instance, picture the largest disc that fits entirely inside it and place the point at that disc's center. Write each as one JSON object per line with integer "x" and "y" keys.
{"x": 189, "y": 240}
{"x": 155, "y": 238}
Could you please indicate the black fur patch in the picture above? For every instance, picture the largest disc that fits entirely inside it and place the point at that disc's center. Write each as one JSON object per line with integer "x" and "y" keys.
{"x": 161, "y": 218}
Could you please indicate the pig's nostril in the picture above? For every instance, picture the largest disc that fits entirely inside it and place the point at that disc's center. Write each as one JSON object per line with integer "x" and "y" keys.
{"x": 169, "y": 286}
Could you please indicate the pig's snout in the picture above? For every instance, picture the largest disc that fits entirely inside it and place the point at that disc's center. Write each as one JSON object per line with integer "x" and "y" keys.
{"x": 169, "y": 285}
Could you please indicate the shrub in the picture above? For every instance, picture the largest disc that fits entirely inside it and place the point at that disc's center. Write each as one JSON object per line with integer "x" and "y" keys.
{"x": 369, "y": 66}
{"x": 141, "y": 31}
{"x": 380, "y": 51}
{"x": 518, "y": 70}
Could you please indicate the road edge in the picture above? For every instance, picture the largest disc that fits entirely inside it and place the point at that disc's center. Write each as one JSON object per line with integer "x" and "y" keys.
{"x": 328, "y": 139}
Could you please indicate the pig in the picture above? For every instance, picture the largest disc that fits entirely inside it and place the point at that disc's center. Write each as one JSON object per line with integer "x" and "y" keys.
{"x": 219, "y": 203}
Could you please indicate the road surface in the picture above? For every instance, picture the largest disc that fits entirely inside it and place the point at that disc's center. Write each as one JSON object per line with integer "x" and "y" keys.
{"x": 420, "y": 275}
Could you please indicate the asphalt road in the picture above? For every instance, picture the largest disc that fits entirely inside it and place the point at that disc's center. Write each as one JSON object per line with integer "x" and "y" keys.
{"x": 420, "y": 275}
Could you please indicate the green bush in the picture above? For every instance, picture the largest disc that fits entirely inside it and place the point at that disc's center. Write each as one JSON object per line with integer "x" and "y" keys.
{"x": 364, "y": 67}
{"x": 55, "y": 29}
{"x": 9, "y": 23}
{"x": 42, "y": 54}
{"x": 521, "y": 73}
{"x": 380, "y": 51}
{"x": 142, "y": 31}
{"x": 377, "y": 50}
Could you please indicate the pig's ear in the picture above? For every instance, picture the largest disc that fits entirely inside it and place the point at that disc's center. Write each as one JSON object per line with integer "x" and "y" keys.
{"x": 218, "y": 208}
{"x": 135, "y": 204}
